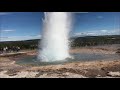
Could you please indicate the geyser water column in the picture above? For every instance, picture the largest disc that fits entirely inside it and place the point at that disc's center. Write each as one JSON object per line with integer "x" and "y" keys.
{"x": 55, "y": 43}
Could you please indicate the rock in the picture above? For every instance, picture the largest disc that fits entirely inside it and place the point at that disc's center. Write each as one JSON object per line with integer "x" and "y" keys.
{"x": 63, "y": 75}
{"x": 31, "y": 74}
{"x": 118, "y": 51}
{"x": 98, "y": 75}
{"x": 114, "y": 74}
{"x": 73, "y": 75}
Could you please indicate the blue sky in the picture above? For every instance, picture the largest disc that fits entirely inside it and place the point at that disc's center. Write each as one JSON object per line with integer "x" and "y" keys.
{"x": 28, "y": 25}
{"x": 97, "y": 23}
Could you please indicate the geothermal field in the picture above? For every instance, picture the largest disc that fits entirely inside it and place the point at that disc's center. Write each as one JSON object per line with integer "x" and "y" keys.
{"x": 57, "y": 55}
{"x": 108, "y": 67}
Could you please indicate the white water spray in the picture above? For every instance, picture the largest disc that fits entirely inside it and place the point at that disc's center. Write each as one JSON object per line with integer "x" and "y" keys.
{"x": 55, "y": 43}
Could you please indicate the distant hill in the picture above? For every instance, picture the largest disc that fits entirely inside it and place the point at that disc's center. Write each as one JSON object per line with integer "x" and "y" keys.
{"x": 75, "y": 41}
{"x": 26, "y": 44}
{"x": 95, "y": 40}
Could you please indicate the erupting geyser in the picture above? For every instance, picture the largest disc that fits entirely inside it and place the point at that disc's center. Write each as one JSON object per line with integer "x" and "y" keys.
{"x": 55, "y": 43}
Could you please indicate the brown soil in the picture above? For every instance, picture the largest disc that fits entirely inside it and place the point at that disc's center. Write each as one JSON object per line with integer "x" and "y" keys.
{"x": 91, "y": 69}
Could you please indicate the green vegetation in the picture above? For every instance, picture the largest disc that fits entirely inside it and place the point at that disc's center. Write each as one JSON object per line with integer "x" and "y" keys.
{"x": 76, "y": 42}
{"x": 95, "y": 40}
{"x": 28, "y": 44}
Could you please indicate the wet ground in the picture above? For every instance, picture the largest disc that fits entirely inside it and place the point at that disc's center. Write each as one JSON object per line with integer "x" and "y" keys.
{"x": 32, "y": 60}
{"x": 104, "y": 68}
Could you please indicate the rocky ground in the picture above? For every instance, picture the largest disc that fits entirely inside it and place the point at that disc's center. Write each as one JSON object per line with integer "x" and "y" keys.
{"x": 91, "y": 69}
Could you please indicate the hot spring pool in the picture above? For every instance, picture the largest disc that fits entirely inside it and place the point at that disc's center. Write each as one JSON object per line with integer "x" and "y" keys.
{"x": 32, "y": 60}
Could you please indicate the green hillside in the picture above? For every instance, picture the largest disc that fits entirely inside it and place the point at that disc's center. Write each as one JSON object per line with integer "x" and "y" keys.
{"x": 75, "y": 42}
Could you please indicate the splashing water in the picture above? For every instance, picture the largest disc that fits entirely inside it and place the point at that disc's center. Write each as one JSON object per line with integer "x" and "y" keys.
{"x": 55, "y": 43}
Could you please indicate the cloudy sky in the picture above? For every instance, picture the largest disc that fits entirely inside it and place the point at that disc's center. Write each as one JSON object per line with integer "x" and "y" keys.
{"x": 28, "y": 25}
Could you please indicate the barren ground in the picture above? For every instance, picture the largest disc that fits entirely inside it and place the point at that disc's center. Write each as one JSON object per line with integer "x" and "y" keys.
{"x": 91, "y": 69}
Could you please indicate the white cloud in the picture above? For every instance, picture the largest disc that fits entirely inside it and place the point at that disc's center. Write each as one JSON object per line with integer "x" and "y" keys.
{"x": 91, "y": 33}
{"x": 104, "y": 30}
{"x": 98, "y": 32}
{"x": 7, "y": 30}
{"x": 4, "y": 13}
{"x": 80, "y": 12}
{"x": 18, "y": 38}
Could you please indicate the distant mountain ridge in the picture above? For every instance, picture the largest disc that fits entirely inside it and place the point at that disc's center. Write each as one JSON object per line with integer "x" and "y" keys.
{"x": 75, "y": 41}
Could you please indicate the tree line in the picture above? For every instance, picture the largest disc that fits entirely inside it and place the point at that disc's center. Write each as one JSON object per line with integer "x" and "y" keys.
{"x": 95, "y": 40}
{"x": 28, "y": 44}
{"x": 75, "y": 42}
